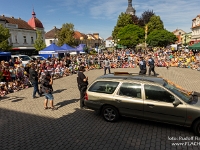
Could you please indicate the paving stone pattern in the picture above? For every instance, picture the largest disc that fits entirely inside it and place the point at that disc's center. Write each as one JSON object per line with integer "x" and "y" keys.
{"x": 25, "y": 125}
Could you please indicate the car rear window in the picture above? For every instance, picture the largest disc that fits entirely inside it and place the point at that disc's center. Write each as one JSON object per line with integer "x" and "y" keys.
{"x": 25, "y": 58}
{"x": 107, "y": 87}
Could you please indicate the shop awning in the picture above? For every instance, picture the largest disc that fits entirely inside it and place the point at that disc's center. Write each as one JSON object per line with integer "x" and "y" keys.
{"x": 195, "y": 46}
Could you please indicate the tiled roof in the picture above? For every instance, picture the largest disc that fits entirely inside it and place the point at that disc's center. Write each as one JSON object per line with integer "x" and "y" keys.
{"x": 78, "y": 35}
{"x": 92, "y": 36}
{"x": 21, "y": 23}
{"x": 195, "y": 17}
{"x": 35, "y": 22}
{"x": 52, "y": 33}
{"x": 109, "y": 38}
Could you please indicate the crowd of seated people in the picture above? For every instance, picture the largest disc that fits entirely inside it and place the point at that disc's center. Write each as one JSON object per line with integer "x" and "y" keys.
{"x": 15, "y": 76}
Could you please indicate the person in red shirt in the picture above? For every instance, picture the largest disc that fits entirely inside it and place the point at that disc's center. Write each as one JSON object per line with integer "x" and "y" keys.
{"x": 6, "y": 75}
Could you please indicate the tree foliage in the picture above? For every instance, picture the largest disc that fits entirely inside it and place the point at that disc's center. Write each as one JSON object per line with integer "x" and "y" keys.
{"x": 39, "y": 43}
{"x": 4, "y": 35}
{"x": 145, "y": 17}
{"x": 66, "y": 35}
{"x": 135, "y": 19}
{"x": 161, "y": 38}
{"x": 155, "y": 23}
{"x": 131, "y": 35}
{"x": 123, "y": 20}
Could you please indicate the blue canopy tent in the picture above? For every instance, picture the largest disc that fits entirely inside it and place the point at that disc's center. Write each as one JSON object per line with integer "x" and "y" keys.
{"x": 50, "y": 50}
{"x": 67, "y": 49}
{"x": 5, "y": 56}
{"x": 80, "y": 48}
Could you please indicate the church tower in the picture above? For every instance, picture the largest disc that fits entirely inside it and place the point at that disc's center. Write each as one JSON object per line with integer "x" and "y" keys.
{"x": 130, "y": 10}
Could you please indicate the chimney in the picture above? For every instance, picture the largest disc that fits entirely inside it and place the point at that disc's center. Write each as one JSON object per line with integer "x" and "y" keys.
{"x": 96, "y": 35}
{"x": 3, "y": 15}
{"x": 12, "y": 17}
{"x": 19, "y": 18}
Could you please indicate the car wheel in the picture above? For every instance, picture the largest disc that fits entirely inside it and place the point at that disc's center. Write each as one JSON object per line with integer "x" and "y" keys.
{"x": 110, "y": 113}
{"x": 196, "y": 127}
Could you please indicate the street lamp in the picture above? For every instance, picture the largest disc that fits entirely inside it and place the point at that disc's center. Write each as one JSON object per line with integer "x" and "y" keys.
{"x": 146, "y": 31}
{"x": 185, "y": 39}
{"x": 81, "y": 39}
{"x": 112, "y": 44}
{"x": 89, "y": 38}
{"x": 55, "y": 34}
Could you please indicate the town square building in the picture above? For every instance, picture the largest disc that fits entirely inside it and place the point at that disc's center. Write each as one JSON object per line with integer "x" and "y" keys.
{"x": 195, "y": 30}
{"x": 23, "y": 34}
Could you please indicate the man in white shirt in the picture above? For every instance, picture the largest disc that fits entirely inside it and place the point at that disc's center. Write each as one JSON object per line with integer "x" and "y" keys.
{"x": 106, "y": 64}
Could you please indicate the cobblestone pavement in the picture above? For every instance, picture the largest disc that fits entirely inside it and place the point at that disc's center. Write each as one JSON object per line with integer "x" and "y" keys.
{"x": 25, "y": 125}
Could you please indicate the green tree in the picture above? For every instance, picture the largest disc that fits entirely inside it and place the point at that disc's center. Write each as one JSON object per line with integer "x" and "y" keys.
{"x": 131, "y": 35}
{"x": 39, "y": 43}
{"x": 66, "y": 35}
{"x": 155, "y": 23}
{"x": 161, "y": 38}
{"x": 4, "y": 35}
{"x": 123, "y": 20}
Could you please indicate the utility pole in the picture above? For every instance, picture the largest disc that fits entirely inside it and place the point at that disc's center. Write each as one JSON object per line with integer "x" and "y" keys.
{"x": 146, "y": 31}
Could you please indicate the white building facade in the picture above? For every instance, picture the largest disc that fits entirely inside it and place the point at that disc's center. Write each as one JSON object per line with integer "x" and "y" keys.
{"x": 23, "y": 34}
{"x": 109, "y": 42}
{"x": 195, "y": 30}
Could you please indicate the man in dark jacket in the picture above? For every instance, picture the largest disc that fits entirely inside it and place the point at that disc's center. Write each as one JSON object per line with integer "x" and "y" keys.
{"x": 33, "y": 77}
{"x": 142, "y": 65}
{"x": 151, "y": 65}
{"x": 82, "y": 81}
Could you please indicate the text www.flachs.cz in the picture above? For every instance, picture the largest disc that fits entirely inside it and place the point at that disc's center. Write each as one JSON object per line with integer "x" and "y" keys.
{"x": 186, "y": 144}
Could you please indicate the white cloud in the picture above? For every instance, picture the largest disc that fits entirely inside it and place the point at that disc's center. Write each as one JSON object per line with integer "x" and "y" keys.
{"x": 175, "y": 14}
{"x": 107, "y": 9}
{"x": 51, "y": 10}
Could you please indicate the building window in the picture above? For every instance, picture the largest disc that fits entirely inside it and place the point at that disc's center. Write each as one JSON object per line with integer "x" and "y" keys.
{"x": 32, "y": 41}
{"x": 16, "y": 39}
{"x": 50, "y": 41}
{"x": 10, "y": 40}
{"x": 25, "y": 41}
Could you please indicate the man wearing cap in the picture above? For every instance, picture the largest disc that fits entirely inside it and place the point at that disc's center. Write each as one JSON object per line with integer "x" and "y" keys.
{"x": 142, "y": 65}
{"x": 151, "y": 65}
{"x": 82, "y": 82}
{"x": 33, "y": 77}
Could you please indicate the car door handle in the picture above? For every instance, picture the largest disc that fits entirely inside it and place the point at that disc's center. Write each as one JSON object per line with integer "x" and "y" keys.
{"x": 150, "y": 105}
{"x": 117, "y": 100}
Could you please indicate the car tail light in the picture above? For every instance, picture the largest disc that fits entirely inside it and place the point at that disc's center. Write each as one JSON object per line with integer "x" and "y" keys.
{"x": 86, "y": 96}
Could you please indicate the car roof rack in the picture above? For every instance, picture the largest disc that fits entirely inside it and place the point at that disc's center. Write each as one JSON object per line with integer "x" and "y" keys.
{"x": 127, "y": 73}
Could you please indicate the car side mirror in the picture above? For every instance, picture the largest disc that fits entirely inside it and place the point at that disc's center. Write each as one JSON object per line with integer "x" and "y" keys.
{"x": 176, "y": 102}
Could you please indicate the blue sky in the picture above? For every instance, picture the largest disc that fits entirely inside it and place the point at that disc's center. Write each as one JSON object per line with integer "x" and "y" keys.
{"x": 100, "y": 16}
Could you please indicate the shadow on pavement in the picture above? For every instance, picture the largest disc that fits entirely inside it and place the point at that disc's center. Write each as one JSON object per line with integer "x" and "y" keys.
{"x": 59, "y": 91}
{"x": 66, "y": 102}
{"x": 83, "y": 130}
{"x": 12, "y": 98}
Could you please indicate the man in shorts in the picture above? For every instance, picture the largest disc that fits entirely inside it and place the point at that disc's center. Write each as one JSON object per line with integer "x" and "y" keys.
{"x": 46, "y": 87}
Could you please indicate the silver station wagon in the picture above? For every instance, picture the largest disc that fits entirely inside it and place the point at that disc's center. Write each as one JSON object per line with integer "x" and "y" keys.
{"x": 143, "y": 97}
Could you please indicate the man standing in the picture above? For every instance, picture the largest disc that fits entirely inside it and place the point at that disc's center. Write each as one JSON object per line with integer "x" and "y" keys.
{"x": 143, "y": 68}
{"x": 106, "y": 64}
{"x": 33, "y": 77}
{"x": 82, "y": 82}
{"x": 151, "y": 65}
{"x": 47, "y": 88}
